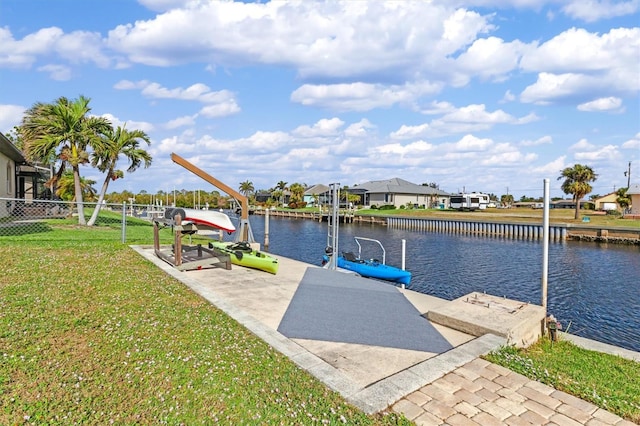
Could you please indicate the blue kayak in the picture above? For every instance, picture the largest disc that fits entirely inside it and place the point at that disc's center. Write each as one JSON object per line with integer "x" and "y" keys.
{"x": 373, "y": 269}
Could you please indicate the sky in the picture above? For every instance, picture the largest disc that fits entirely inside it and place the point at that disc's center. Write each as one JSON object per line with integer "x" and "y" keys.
{"x": 491, "y": 96}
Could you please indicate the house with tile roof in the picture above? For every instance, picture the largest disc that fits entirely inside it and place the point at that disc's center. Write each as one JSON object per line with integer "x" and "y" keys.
{"x": 399, "y": 192}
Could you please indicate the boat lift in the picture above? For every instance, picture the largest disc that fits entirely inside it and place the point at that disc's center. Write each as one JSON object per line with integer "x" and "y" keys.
{"x": 244, "y": 234}
{"x": 333, "y": 221}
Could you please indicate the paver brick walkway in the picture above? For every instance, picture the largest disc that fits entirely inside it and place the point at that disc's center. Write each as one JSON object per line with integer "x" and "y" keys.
{"x": 482, "y": 393}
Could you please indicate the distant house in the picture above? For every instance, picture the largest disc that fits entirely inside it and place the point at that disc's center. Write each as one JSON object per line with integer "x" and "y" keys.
{"x": 568, "y": 204}
{"x": 634, "y": 193}
{"x": 607, "y": 202}
{"x": 399, "y": 192}
{"x": 262, "y": 196}
{"x": 317, "y": 195}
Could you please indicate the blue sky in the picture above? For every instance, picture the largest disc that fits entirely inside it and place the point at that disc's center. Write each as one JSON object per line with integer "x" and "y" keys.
{"x": 479, "y": 95}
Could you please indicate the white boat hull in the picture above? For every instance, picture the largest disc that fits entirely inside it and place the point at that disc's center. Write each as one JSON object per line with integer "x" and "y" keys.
{"x": 204, "y": 218}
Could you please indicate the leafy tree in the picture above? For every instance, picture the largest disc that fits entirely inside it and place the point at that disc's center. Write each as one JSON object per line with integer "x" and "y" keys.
{"x": 297, "y": 192}
{"x": 277, "y": 195}
{"x": 623, "y": 199}
{"x": 107, "y": 152}
{"x": 66, "y": 187}
{"x": 577, "y": 182}
{"x": 506, "y": 199}
{"x": 63, "y": 130}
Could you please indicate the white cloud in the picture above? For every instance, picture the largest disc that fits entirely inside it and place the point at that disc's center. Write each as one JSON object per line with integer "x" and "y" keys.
{"x": 319, "y": 39}
{"x": 508, "y": 97}
{"x": 465, "y": 119}
{"x": 633, "y": 143}
{"x": 603, "y": 104}
{"x": 544, "y": 140}
{"x": 552, "y": 87}
{"x": 57, "y": 72}
{"x": 130, "y": 125}
{"x": 10, "y": 116}
{"x": 577, "y": 63}
{"x": 220, "y": 109}
{"x": 410, "y": 132}
{"x": 472, "y": 144}
{"x": 437, "y": 108}
{"x": 583, "y": 150}
{"x": 551, "y": 169}
{"x": 187, "y": 120}
{"x": 220, "y": 103}
{"x": 324, "y": 127}
{"x": 582, "y": 144}
{"x": 361, "y": 96}
{"x": 609, "y": 152}
{"x": 359, "y": 129}
{"x": 24, "y": 53}
{"x": 595, "y": 10}
{"x": 491, "y": 58}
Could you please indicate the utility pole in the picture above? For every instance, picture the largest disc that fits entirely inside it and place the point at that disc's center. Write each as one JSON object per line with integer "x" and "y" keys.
{"x": 628, "y": 175}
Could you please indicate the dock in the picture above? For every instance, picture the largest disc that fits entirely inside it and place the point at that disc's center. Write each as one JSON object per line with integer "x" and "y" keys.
{"x": 427, "y": 387}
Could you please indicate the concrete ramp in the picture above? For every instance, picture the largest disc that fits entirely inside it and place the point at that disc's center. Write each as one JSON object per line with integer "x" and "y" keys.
{"x": 338, "y": 307}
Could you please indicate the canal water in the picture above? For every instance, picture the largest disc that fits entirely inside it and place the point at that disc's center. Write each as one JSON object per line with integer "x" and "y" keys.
{"x": 593, "y": 289}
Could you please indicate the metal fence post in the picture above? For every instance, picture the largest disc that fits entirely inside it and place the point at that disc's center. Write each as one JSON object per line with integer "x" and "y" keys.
{"x": 124, "y": 222}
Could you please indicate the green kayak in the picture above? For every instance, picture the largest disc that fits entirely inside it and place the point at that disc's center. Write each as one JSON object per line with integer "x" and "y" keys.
{"x": 242, "y": 254}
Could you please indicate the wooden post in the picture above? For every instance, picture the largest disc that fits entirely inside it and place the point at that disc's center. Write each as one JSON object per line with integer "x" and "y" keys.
{"x": 177, "y": 240}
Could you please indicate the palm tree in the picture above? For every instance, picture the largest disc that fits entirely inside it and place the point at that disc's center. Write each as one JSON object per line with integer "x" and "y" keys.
{"x": 106, "y": 153}
{"x": 576, "y": 182}
{"x": 297, "y": 192}
{"x": 63, "y": 130}
{"x": 282, "y": 187}
{"x": 246, "y": 188}
{"x": 506, "y": 200}
{"x": 66, "y": 187}
{"x": 623, "y": 199}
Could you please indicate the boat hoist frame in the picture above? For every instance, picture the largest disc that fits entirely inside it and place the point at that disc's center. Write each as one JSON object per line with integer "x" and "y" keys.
{"x": 333, "y": 222}
{"x": 244, "y": 233}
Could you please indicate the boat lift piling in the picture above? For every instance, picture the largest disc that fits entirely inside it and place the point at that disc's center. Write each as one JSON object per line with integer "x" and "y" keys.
{"x": 333, "y": 224}
{"x": 266, "y": 229}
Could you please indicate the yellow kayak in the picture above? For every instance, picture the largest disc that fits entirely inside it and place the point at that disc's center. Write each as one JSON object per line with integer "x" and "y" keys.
{"x": 243, "y": 255}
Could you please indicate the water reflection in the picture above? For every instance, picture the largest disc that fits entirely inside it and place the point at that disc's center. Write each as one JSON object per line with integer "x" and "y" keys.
{"x": 593, "y": 289}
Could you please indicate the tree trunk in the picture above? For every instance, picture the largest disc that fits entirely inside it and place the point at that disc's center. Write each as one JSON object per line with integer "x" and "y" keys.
{"x": 577, "y": 216}
{"x": 78, "y": 191}
{"x": 96, "y": 210}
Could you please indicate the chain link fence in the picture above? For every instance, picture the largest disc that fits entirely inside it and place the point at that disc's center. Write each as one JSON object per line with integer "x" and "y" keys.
{"x": 28, "y": 219}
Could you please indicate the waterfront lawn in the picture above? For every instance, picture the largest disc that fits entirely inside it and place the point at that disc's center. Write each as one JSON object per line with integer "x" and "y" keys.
{"x": 91, "y": 333}
{"x": 608, "y": 381}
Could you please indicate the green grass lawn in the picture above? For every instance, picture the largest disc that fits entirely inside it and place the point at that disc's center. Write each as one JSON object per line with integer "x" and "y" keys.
{"x": 608, "y": 381}
{"x": 91, "y": 333}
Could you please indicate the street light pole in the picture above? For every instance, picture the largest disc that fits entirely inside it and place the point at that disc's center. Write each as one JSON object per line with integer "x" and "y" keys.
{"x": 628, "y": 175}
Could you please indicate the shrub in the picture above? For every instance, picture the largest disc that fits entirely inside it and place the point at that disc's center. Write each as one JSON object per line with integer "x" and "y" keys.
{"x": 387, "y": 207}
